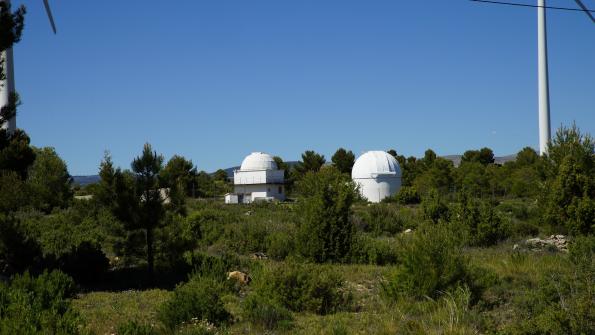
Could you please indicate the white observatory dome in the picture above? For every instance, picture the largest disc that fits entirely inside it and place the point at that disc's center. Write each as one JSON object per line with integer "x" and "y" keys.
{"x": 378, "y": 175}
{"x": 257, "y": 161}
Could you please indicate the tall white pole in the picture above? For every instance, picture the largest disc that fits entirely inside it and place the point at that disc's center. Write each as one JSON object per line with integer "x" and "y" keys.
{"x": 7, "y": 85}
{"x": 544, "y": 92}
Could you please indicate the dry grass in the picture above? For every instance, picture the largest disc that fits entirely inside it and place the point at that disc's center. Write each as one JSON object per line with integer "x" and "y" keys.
{"x": 104, "y": 311}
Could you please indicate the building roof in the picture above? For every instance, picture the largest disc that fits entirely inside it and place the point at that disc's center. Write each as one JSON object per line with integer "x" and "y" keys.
{"x": 374, "y": 164}
{"x": 257, "y": 161}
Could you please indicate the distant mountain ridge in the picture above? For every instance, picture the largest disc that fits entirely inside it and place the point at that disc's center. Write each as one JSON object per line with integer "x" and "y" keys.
{"x": 456, "y": 159}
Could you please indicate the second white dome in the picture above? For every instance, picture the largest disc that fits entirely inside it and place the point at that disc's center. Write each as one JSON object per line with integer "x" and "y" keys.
{"x": 257, "y": 161}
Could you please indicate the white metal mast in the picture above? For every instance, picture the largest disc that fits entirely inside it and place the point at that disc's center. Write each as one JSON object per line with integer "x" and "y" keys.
{"x": 7, "y": 85}
{"x": 544, "y": 92}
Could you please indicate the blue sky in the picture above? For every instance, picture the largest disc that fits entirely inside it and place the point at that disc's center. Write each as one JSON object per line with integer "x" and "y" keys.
{"x": 215, "y": 80}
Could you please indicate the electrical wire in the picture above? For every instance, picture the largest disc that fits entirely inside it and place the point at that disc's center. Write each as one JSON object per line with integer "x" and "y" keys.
{"x": 533, "y": 6}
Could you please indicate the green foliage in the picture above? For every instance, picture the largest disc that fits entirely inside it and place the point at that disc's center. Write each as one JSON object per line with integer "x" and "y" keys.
{"x": 472, "y": 177}
{"x": 562, "y": 302}
{"x": 570, "y": 202}
{"x": 12, "y": 25}
{"x": 311, "y": 162}
{"x": 484, "y": 226}
{"x": 483, "y": 156}
{"x": 176, "y": 236}
{"x": 325, "y": 233}
{"x": 18, "y": 250}
{"x": 220, "y": 175}
{"x": 434, "y": 208}
{"x": 198, "y": 298}
{"x": 408, "y": 195}
{"x": 343, "y": 160}
{"x": 433, "y": 173}
{"x": 179, "y": 176}
{"x": 16, "y": 153}
{"x": 207, "y": 266}
{"x": 380, "y": 219}
{"x": 13, "y": 192}
{"x": 66, "y": 229}
{"x": 303, "y": 287}
{"x": 378, "y": 251}
{"x": 85, "y": 263}
{"x": 49, "y": 180}
{"x": 135, "y": 328}
{"x": 281, "y": 244}
{"x": 432, "y": 263}
{"x": 39, "y": 305}
{"x": 266, "y": 313}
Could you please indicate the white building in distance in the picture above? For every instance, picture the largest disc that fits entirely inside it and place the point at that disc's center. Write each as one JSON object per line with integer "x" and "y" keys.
{"x": 378, "y": 175}
{"x": 258, "y": 179}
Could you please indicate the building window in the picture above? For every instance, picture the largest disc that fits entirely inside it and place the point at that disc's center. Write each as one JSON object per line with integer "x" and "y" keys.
{"x": 268, "y": 189}
{"x": 280, "y": 189}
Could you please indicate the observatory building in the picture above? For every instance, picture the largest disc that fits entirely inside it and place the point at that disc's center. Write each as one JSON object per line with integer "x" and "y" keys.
{"x": 377, "y": 174}
{"x": 258, "y": 179}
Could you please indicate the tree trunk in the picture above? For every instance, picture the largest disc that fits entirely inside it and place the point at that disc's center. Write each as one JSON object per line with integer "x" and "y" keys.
{"x": 150, "y": 256}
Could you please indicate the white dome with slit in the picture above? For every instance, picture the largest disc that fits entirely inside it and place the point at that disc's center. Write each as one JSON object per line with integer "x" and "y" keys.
{"x": 378, "y": 175}
{"x": 258, "y": 161}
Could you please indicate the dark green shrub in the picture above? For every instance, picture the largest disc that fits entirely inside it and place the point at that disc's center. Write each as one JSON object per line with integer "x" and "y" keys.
{"x": 85, "y": 262}
{"x": 326, "y": 230}
{"x": 522, "y": 229}
{"x": 433, "y": 207}
{"x": 562, "y": 302}
{"x": 431, "y": 263}
{"x": 380, "y": 219}
{"x": 266, "y": 313}
{"x": 18, "y": 251}
{"x": 177, "y": 236}
{"x": 32, "y": 305}
{"x": 483, "y": 224}
{"x": 281, "y": 245}
{"x": 379, "y": 251}
{"x": 198, "y": 298}
{"x": 215, "y": 267}
{"x": 135, "y": 328}
{"x": 408, "y": 195}
{"x": 208, "y": 224}
{"x": 304, "y": 287}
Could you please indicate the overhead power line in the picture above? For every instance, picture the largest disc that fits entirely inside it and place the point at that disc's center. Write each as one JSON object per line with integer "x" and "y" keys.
{"x": 534, "y": 6}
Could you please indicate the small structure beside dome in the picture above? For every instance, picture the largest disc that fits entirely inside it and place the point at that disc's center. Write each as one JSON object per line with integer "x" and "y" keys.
{"x": 377, "y": 174}
{"x": 258, "y": 179}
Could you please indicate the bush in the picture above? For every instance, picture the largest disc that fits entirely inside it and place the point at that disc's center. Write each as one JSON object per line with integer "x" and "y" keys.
{"x": 562, "y": 303}
{"x": 198, "y": 298}
{"x": 380, "y": 219}
{"x": 18, "y": 251}
{"x": 85, "y": 262}
{"x": 207, "y": 224}
{"x": 433, "y": 207}
{"x": 281, "y": 245}
{"x": 135, "y": 328}
{"x": 408, "y": 195}
{"x": 216, "y": 268}
{"x": 368, "y": 250}
{"x": 432, "y": 263}
{"x": 177, "y": 236}
{"x": 484, "y": 226}
{"x": 32, "y": 305}
{"x": 325, "y": 233}
{"x": 304, "y": 287}
{"x": 266, "y": 313}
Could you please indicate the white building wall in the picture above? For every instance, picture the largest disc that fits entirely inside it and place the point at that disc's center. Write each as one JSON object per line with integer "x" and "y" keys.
{"x": 258, "y": 177}
{"x": 376, "y": 189}
{"x": 250, "y": 192}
